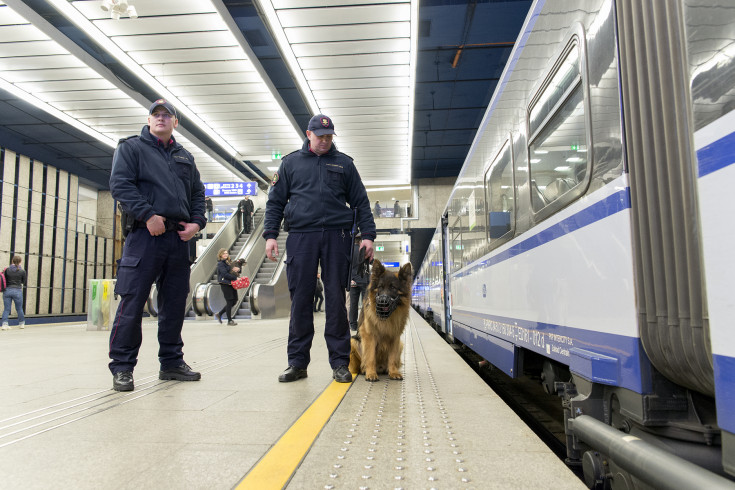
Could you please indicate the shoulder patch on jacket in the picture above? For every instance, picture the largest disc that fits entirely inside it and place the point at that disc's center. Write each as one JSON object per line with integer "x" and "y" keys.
{"x": 275, "y": 179}
{"x": 123, "y": 140}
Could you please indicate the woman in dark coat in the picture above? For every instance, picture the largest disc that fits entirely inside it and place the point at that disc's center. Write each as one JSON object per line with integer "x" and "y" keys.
{"x": 15, "y": 278}
{"x": 225, "y": 276}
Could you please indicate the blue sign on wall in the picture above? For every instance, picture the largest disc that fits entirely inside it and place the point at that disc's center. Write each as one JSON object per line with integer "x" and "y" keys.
{"x": 390, "y": 264}
{"x": 228, "y": 189}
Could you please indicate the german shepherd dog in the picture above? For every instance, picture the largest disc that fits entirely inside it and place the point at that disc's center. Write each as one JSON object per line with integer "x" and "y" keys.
{"x": 377, "y": 347}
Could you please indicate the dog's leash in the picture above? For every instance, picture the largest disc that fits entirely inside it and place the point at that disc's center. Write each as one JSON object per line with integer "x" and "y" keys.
{"x": 352, "y": 249}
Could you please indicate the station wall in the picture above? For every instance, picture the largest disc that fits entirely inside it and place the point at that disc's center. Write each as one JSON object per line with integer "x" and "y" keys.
{"x": 38, "y": 221}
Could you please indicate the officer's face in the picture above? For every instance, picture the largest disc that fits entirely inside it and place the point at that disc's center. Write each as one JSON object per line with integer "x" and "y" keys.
{"x": 319, "y": 144}
{"x": 162, "y": 123}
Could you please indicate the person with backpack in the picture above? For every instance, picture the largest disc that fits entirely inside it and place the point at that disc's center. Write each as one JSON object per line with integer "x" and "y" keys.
{"x": 15, "y": 279}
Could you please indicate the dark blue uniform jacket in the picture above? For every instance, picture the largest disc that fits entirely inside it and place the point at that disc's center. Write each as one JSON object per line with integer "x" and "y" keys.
{"x": 149, "y": 179}
{"x": 310, "y": 191}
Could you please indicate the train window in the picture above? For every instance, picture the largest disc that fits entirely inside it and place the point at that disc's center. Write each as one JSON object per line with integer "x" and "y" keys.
{"x": 558, "y": 160}
{"x": 500, "y": 196}
{"x": 456, "y": 245}
{"x": 567, "y": 76}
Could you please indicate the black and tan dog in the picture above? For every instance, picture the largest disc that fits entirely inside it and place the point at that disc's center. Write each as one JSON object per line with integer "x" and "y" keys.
{"x": 377, "y": 347}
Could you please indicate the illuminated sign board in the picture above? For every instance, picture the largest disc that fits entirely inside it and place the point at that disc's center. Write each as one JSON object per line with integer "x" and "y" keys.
{"x": 379, "y": 248}
{"x": 391, "y": 264}
{"x": 230, "y": 189}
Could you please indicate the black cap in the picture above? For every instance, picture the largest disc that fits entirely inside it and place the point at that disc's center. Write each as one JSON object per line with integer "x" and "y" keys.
{"x": 165, "y": 104}
{"x": 320, "y": 125}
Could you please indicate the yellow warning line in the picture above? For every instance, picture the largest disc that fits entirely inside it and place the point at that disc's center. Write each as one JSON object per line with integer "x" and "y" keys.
{"x": 277, "y": 466}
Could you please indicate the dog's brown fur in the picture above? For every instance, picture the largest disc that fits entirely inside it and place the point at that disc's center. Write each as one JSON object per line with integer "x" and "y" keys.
{"x": 377, "y": 348}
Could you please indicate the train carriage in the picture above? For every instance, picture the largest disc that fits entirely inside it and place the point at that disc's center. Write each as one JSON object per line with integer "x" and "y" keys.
{"x": 588, "y": 235}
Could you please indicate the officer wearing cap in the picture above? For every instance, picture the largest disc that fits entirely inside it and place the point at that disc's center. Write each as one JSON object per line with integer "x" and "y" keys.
{"x": 311, "y": 189}
{"x": 158, "y": 186}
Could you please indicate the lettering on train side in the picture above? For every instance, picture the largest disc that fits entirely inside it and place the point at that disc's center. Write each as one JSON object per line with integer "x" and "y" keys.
{"x": 548, "y": 342}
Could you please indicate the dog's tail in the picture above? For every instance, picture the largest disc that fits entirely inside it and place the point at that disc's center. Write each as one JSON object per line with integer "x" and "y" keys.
{"x": 355, "y": 357}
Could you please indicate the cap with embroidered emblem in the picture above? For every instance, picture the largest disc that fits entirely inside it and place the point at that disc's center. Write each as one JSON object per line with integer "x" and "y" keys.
{"x": 321, "y": 125}
{"x": 165, "y": 104}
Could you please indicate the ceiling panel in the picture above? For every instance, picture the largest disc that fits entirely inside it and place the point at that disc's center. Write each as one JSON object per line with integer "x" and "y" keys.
{"x": 182, "y": 40}
{"x": 396, "y": 58}
{"x": 188, "y": 55}
{"x": 365, "y": 14}
{"x": 351, "y": 47}
{"x": 348, "y": 32}
{"x": 91, "y": 8}
{"x": 161, "y": 24}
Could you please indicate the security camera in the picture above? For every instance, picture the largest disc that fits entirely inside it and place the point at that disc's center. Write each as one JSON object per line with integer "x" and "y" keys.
{"x": 106, "y": 5}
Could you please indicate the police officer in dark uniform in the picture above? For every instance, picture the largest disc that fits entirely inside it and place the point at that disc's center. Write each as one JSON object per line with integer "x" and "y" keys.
{"x": 158, "y": 186}
{"x": 247, "y": 209}
{"x": 311, "y": 189}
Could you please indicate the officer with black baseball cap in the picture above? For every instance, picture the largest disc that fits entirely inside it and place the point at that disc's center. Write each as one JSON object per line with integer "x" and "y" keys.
{"x": 311, "y": 189}
{"x": 158, "y": 186}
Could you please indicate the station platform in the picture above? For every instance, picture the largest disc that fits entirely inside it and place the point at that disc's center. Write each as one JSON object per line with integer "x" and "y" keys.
{"x": 62, "y": 426}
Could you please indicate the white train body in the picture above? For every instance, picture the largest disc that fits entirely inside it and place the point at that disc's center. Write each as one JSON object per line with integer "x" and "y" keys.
{"x": 590, "y": 230}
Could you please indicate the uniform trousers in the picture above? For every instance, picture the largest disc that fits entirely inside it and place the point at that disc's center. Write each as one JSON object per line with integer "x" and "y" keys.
{"x": 304, "y": 254}
{"x": 165, "y": 260}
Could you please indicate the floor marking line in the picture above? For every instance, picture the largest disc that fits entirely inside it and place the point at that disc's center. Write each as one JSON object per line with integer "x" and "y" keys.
{"x": 281, "y": 461}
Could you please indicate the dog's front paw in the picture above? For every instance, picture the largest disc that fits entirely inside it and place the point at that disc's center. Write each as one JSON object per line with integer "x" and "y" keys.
{"x": 371, "y": 376}
{"x": 395, "y": 376}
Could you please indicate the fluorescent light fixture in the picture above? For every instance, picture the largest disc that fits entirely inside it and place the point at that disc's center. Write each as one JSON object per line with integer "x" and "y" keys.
{"x": 272, "y": 169}
{"x": 562, "y": 168}
{"x": 81, "y": 21}
{"x": 32, "y": 99}
{"x": 574, "y": 159}
{"x": 414, "y": 62}
{"x": 285, "y": 47}
{"x": 397, "y": 188}
{"x": 535, "y": 160}
{"x": 541, "y": 152}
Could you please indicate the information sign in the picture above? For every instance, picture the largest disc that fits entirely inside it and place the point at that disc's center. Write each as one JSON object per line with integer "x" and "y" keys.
{"x": 230, "y": 189}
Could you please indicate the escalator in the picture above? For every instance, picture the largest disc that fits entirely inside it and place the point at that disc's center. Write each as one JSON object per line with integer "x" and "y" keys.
{"x": 268, "y": 293}
{"x": 230, "y": 236}
{"x": 207, "y": 295}
{"x": 267, "y": 278}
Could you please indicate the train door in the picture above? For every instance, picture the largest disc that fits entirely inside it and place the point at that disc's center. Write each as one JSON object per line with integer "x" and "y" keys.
{"x": 446, "y": 290}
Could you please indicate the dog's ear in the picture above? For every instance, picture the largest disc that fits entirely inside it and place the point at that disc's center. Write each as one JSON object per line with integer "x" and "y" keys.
{"x": 378, "y": 270}
{"x": 404, "y": 274}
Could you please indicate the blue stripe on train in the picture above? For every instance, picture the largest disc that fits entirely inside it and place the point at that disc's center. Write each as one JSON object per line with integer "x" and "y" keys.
{"x": 724, "y": 394}
{"x": 610, "y": 359}
{"x": 717, "y": 155}
{"x": 608, "y": 206}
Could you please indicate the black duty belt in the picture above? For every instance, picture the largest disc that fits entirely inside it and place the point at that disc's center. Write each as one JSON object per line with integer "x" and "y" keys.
{"x": 170, "y": 224}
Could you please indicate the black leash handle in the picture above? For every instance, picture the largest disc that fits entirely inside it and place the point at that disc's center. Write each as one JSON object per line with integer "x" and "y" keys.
{"x": 352, "y": 249}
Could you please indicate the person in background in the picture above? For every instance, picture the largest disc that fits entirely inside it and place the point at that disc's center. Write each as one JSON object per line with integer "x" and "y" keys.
{"x": 15, "y": 280}
{"x": 359, "y": 283}
{"x": 318, "y": 294}
{"x": 157, "y": 184}
{"x": 396, "y": 210}
{"x": 247, "y": 208}
{"x": 376, "y": 209}
{"x": 210, "y": 207}
{"x": 312, "y": 188}
{"x": 226, "y": 273}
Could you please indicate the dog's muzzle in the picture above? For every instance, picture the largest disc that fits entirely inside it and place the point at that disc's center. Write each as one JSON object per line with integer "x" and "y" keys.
{"x": 385, "y": 305}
